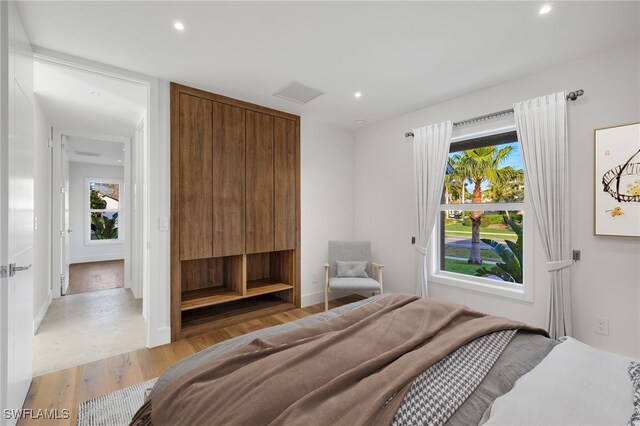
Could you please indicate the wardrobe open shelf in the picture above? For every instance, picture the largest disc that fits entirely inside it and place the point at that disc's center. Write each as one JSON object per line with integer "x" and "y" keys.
{"x": 195, "y": 299}
{"x": 201, "y": 298}
{"x": 266, "y": 286}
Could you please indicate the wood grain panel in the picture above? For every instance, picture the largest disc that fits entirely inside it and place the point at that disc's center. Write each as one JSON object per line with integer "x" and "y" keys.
{"x": 258, "y": 266}
{"x": 214, "y": 272}
{"x": 196, "y": 177}
{"x": 203, "y": 273}
{"x": 175, "y": 266}
{"x": 234, "y": 273}
{"x": 228, "y": 204}
{"x": 234, "y": 102}
{"x": 259, "y": 185}
{"x": 282, "y": 266}
{"x": 285, "y": 188}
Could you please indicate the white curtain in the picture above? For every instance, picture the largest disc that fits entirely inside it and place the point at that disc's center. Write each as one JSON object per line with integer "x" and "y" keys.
{"x": 542, "y": 130}
{"x": 430, "y": 153}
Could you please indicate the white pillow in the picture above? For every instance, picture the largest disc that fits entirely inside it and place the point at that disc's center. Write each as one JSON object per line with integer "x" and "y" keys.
{"x": 351, "y": 269}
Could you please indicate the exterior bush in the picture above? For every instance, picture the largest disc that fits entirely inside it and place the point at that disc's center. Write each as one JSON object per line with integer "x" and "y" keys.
{"x": 486, "y": 220}
{"x": 450, "y": 221}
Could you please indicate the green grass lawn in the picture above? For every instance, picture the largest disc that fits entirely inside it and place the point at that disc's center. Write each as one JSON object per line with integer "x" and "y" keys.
{"x": 464, "y": 253}
{"x": 461, "y": 227}
{"x": 462, "y": 267}
{"x": 491, "y": 233}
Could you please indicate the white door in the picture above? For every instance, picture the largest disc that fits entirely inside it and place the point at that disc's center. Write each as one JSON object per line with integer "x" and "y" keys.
{"x": 20, "y": 251}
{"x": 64, "y": 216}
{"x": 16, "y": 224}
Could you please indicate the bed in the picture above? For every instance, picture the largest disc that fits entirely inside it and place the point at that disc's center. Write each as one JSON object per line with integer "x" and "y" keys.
{"x": 395, "y": 359}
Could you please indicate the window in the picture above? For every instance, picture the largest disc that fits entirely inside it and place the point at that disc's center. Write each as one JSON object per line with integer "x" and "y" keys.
{"x": 103, "y": 213}
{"x": 481, "y": 236}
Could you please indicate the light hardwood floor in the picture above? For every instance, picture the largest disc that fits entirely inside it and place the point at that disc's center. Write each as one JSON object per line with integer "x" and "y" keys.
{"x": 95, "y": 276}
{"x": 66, "y": 389}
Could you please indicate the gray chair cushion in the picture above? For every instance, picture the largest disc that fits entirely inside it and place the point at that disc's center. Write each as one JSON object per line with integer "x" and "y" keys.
{"x": 353, "y": 284}
{"x": 349, "y": 251}
{"x": 351, "y": 269}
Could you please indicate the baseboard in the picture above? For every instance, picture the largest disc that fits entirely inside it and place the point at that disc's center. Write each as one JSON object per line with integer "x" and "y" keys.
{"x": 315, "y": 298}
{"x": 136, "y": 291}
{"x": 41, "y": 313}
{"x": 96, "y": 258}
{"x": 162, "y": 336}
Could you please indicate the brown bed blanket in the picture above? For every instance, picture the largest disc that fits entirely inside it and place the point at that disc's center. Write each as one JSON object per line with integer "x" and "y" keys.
{"x": 351, "y": 370}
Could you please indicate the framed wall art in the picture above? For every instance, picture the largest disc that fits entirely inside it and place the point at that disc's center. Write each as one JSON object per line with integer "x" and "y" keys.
{"x": 617, "y": 181}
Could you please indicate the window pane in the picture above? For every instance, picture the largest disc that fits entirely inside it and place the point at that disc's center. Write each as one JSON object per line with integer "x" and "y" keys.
{"x": 104, "y": 195}
{"x": 482, "y": 243}
{"x": 486, "y": 174}
{"x": 104, "y": 226}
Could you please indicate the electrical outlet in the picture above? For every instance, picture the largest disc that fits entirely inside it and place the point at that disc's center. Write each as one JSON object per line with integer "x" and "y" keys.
{"x": 314, "y": 277}
{"x": 576, "y": 255}
{"x": 602, "y": 325}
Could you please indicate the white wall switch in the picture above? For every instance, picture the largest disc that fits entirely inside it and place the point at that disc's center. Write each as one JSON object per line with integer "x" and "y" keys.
{"x": 163, "y": 224}
{"x": 602, "y": 325}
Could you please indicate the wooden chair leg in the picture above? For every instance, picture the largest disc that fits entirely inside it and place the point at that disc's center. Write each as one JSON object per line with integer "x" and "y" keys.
{"x": 326, "y": 286}
{"x": 326, "y": 299}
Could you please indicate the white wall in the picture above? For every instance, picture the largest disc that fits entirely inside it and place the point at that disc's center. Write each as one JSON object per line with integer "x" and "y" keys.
{"x": 327, "y": 199}
{"x": 42, "y": 216}
{"x": 607, "y": 280}
{"x": 79, "y": 251}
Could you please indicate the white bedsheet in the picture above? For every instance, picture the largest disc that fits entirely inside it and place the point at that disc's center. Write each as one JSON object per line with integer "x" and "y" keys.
{"x": 574, "y": 385}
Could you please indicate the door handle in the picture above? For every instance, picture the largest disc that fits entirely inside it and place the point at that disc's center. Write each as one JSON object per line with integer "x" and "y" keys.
{"x": 13, "y": 268}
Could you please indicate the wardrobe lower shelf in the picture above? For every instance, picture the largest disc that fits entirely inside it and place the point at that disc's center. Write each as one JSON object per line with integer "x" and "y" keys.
{"x": 199, "y": 321}
{"x": 196, "y": 299}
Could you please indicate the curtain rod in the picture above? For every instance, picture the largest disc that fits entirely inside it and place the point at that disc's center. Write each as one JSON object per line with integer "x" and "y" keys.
{"x": 571, "y": 96}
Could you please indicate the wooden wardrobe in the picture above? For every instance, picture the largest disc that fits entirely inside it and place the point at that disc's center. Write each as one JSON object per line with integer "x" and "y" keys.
{"x": 235, "y": 211}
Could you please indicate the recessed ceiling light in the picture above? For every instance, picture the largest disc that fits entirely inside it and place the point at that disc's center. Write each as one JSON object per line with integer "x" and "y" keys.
{"x": 119, "y": 161}
{"x": 545, "y": 9}
{"x": 94, "y": 93}
{"x": 357, "y": 94}
{"x": 359, "y": 122}
{"x": 178, "y": 26}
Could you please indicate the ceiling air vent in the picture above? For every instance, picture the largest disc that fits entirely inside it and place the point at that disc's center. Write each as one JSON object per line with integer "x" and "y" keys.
{"x": 88, "y": 154}
{"x": 298, "y": 93}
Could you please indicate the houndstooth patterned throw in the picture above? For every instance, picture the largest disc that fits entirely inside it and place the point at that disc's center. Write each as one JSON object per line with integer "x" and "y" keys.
{"x": 438, "y": 392}
{"x": 634, "y": 374}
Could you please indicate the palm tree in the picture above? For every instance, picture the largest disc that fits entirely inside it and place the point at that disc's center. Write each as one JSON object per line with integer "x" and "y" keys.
{"x": 508, "y": 190}
{"x": 483, "y": 165}
{"x": 454, "y": 182}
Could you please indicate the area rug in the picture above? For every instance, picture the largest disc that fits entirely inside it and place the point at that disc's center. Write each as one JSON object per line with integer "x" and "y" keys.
{"x": 115, "y": 408}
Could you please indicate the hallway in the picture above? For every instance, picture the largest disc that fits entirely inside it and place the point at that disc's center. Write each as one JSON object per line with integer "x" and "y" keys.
{"x": 96, "y": 323}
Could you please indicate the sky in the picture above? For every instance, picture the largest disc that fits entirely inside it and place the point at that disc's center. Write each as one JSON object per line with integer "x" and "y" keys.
{"x": 514, "y": 161}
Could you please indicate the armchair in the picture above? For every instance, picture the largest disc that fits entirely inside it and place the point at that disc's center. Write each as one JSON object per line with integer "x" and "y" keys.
{"x": 355, "y": 275}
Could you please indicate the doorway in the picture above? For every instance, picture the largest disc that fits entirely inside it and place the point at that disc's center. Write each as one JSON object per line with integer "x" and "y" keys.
{"x": 96, "y": 289}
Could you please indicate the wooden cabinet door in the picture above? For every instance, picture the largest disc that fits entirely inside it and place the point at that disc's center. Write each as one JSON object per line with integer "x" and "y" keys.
{"x": 196, "y": 177}
{"x": 285, "y": 190}
{"x": 228, "y": 204}
{"x": 259, "y": 188}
